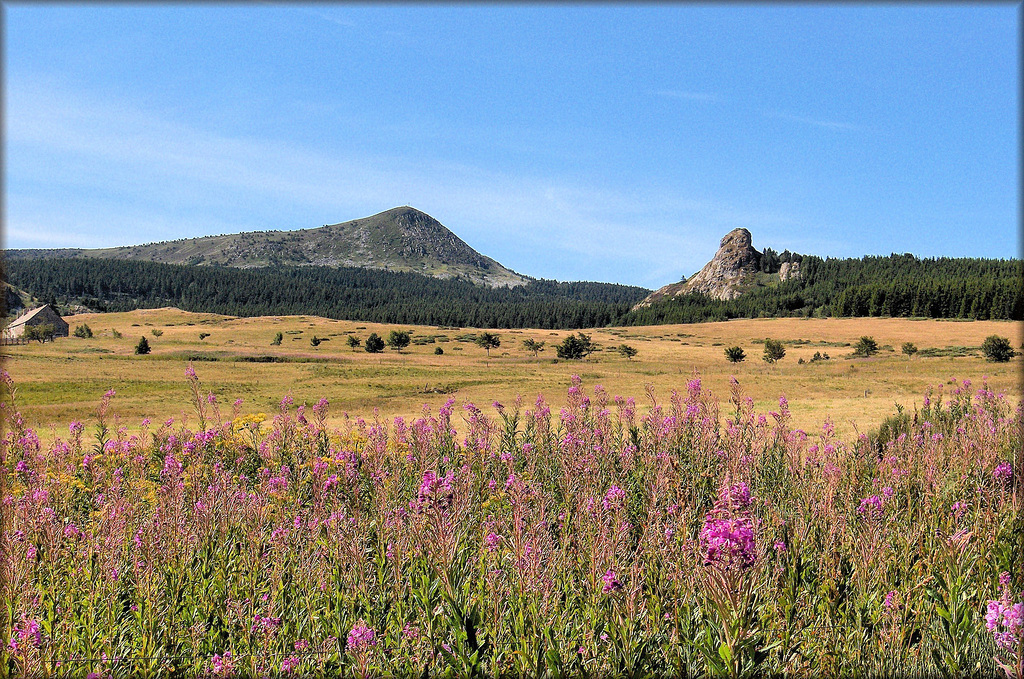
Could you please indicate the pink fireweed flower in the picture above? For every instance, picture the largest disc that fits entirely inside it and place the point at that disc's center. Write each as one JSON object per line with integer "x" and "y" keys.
{"x": 735, "y": 498}
{"x": 890, "y": 600}
{"x": 1006, "y": 622}
{"x": 190, "y": 372}
{"x": 1005, "y": 619}
{"x": 492, "y": 541}
{"x": 728, "y": 541}
{"x": 435, "y": 491}
{"x": 222, "y": 665}
{"x": 27, "y": 632}
{"x": 870, "y": 507}
{"x": 727, "y": 538}
{"x": 1003, "y": 473}
{"x": 361, "y": 637}
{"x": 267, "y": 625}
{"x": 614, "y": 499}
{"x": 611, "y": 582}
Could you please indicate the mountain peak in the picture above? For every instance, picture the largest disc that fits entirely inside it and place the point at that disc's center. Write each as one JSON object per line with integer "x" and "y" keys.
{"x": 400, "y": 239}
{"x": 738, "y": 238}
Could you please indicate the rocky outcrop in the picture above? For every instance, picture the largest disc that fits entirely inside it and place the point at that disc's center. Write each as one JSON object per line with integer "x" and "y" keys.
{"x": 789, "y": 270}
{"x": 725, "y": 277}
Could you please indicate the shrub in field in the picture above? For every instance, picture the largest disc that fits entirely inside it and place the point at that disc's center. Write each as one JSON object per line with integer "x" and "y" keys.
{"x": 866, "y": 346}
{"x": 42, "y": 333}
{"x": 488, "y": 341}
{"x": 204, "y": 335}
{"x": 627, "y": 351}
{"x": 353, "y": 341}
{"x": 142, "y": 347}
{"x": 604, "y": 539}
{"x": 398, "y": 340}
{"x": 533, "y": 345}
{"x": 909, "y": 348}
{"x": 438, "y": 351}
{"x": 83, "y": 331}
{"x": 374, "y": 344}
{"x": 575, "y": 347}
{"x": 773, "y": 351}
{"x": 278, "y": 338}
{"x": 997, "y": 349}
{"x": 157, "y": 332}
{"x": 735, "y": 354}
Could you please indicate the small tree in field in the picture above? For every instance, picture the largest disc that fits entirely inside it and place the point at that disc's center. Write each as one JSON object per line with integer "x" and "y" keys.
{"x": 627, "y": 351}
{"x": 398, "y": 340}
{"x": 83, "y": 331}
{"x": 277, "y": 340}
{"x": 488, "y": 341}
{"x": 575, "y": 347}
{"x": 909, "y": 348}
{"x": 39, "y": 332}
{"x": 142, "y": 348}
{"x": 353, "y": 341}
{"x": 438, "y": 351}
{"x": 315, "y": 341}
{"x": 735, "y": 354}
{"x": 374, "y": 344}
{"x": 773, "y": 351}
{"x": 997, "y": 349}
{"x": 866, "y": 346}
{"x": 533, "y": 345}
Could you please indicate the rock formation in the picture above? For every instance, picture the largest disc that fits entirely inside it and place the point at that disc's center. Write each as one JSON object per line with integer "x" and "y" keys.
{"x": 789, "y": 270}
{"x": 724, "y": 277}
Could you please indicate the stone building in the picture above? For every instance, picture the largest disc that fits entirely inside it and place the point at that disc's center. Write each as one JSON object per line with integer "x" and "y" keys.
{"x": 44, "y": 315}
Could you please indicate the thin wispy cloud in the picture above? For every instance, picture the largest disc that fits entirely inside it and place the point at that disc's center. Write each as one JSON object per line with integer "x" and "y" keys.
{"x": 135, "y": 176}
{"x": 816, "y": 122}
{"x": 687, "y": 95}
{"x": 310, "y": 12}
{"x": 327, "y": 17}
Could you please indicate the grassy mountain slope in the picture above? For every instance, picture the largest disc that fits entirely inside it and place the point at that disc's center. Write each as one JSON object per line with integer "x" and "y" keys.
{"x": 400, "y": 239}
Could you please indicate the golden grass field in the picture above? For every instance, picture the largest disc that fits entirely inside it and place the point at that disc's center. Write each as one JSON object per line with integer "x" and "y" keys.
{"x": 65, "y": 379}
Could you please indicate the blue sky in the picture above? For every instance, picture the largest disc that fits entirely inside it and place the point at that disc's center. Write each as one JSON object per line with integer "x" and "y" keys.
{"x": 578, "y": 142}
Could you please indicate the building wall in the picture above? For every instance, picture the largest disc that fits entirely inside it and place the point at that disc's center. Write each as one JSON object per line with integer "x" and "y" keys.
{"x": 45, "y": 317}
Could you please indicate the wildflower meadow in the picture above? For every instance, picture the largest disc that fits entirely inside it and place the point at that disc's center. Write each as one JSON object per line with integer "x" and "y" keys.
{"x": 656, "y": 537}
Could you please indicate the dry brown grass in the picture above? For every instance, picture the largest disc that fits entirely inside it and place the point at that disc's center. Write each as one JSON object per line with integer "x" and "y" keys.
{"x": 65, "y": 379}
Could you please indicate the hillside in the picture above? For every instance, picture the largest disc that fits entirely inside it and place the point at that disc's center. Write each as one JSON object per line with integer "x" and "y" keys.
{"x": 332, "y": 292}
{"x": 896, "y": 286}
{"x": 400, "y": 239}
